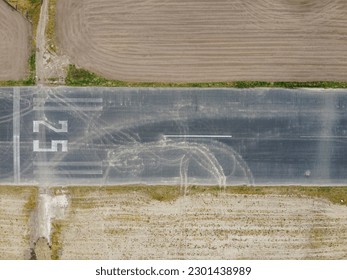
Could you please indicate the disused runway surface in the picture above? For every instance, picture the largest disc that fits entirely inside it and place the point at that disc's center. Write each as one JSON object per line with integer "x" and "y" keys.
{"x": 111, "y": 136}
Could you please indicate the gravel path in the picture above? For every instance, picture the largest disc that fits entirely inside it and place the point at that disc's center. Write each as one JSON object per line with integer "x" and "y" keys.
{"x": 41, "y": 43}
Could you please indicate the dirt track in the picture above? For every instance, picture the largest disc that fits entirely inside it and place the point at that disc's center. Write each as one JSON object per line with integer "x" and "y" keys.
{"x": 199, "y": 40}
{"x": 132, "y": 225}
{"x": 15, "y": 32}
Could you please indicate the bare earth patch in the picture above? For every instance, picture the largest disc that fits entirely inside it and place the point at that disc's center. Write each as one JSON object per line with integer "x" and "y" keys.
{"x": 106, "y": 224}
{"x": 199, "y": 40}
{"x": 16, "y": 206}
{"x": 15, "y": 32}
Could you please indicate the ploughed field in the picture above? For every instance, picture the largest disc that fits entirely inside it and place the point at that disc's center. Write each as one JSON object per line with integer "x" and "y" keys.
{"x": 206, "y": 40}
{"x": 15, "y": 32}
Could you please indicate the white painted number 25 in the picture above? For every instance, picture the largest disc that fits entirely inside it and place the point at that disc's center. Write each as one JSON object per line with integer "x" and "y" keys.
{"x": 54, "y": 143}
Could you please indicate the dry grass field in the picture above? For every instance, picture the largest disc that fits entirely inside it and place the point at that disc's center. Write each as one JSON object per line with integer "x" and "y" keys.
{"x": 15, "y": 34}
{"x": 159, "y": 223}
{"x": 139, "y": 222}
{"x": 199, "y": 40}
{"x": 16, "y": 207}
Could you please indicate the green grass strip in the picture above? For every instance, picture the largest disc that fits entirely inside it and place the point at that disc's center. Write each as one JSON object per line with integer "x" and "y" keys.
{"x": 82, "y": 77}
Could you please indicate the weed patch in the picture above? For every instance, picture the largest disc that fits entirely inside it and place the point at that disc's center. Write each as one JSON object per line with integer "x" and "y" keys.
{"x": 81, "y": 77}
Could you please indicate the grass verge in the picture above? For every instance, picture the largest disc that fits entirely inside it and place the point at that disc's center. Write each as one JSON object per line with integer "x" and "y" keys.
{"x": 81, "y": 77}
{"x": 56, "y": 246}
{"x": 336, "y": 195}
{"x": 50, "y": 27}
{"x": 81, "y": 195}
{"x": 31, "y": 203}
{"x": 31, "y": 10}
{"x": 29, "y": 192}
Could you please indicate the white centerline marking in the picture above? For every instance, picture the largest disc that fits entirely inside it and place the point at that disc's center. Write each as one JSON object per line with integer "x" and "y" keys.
{"x": 68, "y": 172}
{"x": 198, "y": 136}
{"x": 70, "y": 163}
{"x": 74, "y": 100}
{"x": 327, "y": 137}
{"x": 66, "y": 108}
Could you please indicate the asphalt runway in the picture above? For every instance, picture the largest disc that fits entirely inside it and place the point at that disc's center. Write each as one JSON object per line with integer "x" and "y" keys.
{"x": 114, "y": 136}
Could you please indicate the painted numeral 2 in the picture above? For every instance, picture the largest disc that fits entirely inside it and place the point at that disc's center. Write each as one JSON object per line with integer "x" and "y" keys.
{"x": 54, "y": 143}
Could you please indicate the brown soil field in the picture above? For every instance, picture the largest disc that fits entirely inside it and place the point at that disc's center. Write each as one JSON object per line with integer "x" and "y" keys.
{"x": 15, "y": 34}
{"x": 113, "y": 224}
{"x": 206, "y": 40}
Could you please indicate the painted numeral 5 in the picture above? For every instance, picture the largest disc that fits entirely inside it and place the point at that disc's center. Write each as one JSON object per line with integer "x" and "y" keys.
{"x": 53, "y": 148}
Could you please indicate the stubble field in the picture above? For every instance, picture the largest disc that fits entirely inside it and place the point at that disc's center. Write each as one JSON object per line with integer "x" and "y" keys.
{"x": 132, "y": 223}
{"x": 16, "y": 207}
{"x": 139, "y": 222}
